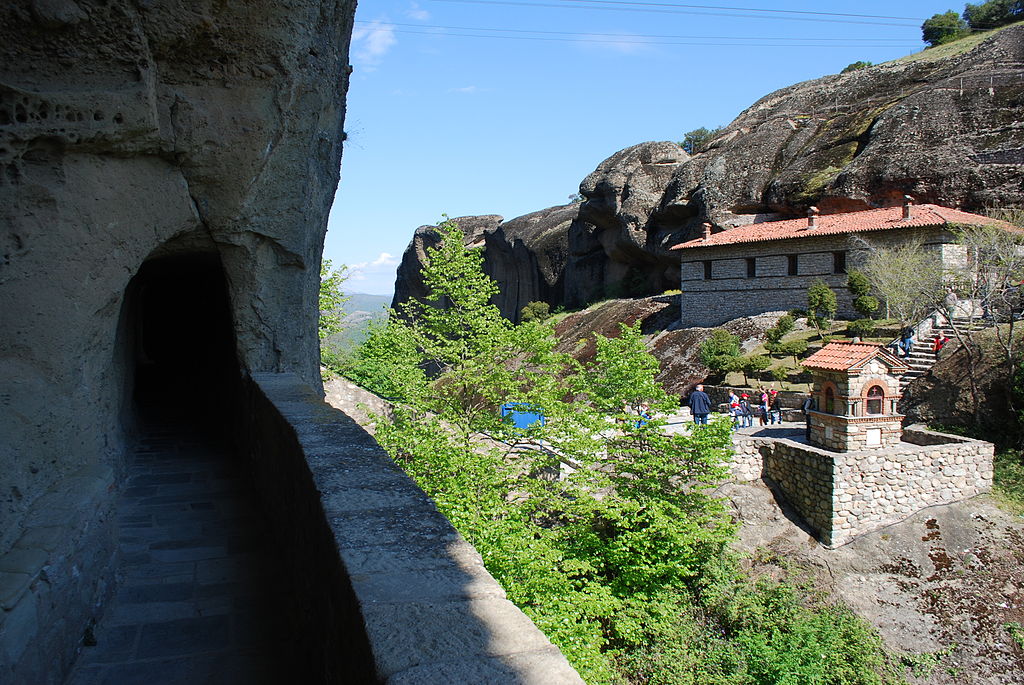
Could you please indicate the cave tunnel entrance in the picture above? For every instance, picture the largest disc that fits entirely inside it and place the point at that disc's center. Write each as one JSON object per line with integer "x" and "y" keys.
{"x": 202, "y": 591}
{"x": 185, "y": 366}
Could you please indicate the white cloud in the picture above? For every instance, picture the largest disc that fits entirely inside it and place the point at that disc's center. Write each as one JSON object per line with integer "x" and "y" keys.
{"x": 466, "y": 89}
{"x": 416, "y": 12}
{"x": 383, "y": 264}
{"x": 371, "y": 42}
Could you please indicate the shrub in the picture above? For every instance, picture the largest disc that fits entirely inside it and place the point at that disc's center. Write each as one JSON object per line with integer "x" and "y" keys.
{"x": 673, "y": 292}
{"x": 821, "y": 304}
{"x": 943, "y": 28}
{"x": 860, "y": 64}
{"x": 861, "y": 328}
{"x": 754, "y": 365}
{"x": 696, "y": 140}
{"x": 785, "y": 323}
{"x": 536, "y": 311}
{"x": 720, "y": 350}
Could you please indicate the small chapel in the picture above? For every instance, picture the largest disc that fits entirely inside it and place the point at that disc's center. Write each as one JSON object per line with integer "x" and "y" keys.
{"x": 856, "y": 390}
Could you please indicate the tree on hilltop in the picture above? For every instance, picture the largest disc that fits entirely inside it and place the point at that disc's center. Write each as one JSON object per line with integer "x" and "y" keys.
{"x": 943, "y": 28}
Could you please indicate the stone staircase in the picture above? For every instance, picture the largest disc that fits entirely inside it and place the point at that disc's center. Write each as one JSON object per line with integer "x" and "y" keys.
{"x": 922, "y": 358}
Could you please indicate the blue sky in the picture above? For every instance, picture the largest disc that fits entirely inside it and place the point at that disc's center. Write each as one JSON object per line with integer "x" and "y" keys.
{"x": 465, "y": 107}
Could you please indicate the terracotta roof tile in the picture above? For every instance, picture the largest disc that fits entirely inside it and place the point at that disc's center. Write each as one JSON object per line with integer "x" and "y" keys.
{"x": 848, "y": 222}
{"x": 843, "y": 356}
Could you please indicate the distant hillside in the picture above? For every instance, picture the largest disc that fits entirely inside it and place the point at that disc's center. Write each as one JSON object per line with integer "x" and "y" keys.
{"x": 360, "y": 311}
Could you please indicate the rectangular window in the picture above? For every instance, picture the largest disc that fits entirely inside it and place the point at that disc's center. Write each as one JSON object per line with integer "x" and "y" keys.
{"x": 707, "y": 270}
{"x": 792, "y": 266}
{"x": 751, "y": 267}
{"x": 839, "y": 262}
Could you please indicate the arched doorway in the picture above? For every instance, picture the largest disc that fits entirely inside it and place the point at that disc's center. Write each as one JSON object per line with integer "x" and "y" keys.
{"x": 185, "y": 366}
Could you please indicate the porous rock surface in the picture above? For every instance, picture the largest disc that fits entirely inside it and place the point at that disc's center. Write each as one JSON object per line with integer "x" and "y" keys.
{"x": 131, "y": 131}
{"x": 944, "y": 129}
{"x": 945, "y": 581}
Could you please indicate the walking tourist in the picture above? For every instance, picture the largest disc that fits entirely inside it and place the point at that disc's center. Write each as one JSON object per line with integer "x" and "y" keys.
{"x": 700, "y": 405}
{"x": 775, "y": 407}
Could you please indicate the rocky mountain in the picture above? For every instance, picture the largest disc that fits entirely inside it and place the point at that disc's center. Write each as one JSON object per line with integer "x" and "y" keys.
{"x": 943, "y": 125}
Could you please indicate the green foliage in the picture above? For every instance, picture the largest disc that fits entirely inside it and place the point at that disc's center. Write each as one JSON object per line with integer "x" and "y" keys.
{"x": 994, "y": 13}
{"x": 388, "y": 362}
{"x": 624, "y": 560}
{"x": 331, "y": 315}
{"x": 793, "y": 348}
{"x": 536, "y": 311}
{"x": 858, "y": 284}
{"x": 943, "y": 28}
{"x": 780, "y": 374}
{"x": 696, "y": 140}
{"x": 674, "y": 291}
{"x": 866, "y": 305}
{"x": 754, "y": 365}
{"x": 331, "y": 298}
{"x": 860, "y": 288}
{"x": 861, "y": 328}
{"x": 720, "y": 352}
{"x": 782, "y": 327}
{"x": 821, "y": 304}
{"x": 860, "y": 64}
{"x": 1016, "y": 631}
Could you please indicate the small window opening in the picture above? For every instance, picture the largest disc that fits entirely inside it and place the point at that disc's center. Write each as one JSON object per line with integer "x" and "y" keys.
{"x": 839, "y": 262}
{"x": 751, "y": 267}
{"x": 707, "y": 270}
{"x": 876, "y": 395}
{"x": 792, "y": 266}
{"x": 830, "y": 401}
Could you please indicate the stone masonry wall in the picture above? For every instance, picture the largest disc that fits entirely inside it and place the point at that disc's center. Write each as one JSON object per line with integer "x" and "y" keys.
{"x": 384, "y": 588}
{"x": 845, "y": 494}
{"x": 730, "y": 293}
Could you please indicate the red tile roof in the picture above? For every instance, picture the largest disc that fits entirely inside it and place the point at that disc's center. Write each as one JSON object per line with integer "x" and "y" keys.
{"x": 843, "y": 356}
{"x": 848, "y": 222}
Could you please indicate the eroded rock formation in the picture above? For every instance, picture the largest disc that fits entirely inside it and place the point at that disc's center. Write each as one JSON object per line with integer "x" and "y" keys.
{"x": 203, "y": 138}
{"x": 946, "y": 130}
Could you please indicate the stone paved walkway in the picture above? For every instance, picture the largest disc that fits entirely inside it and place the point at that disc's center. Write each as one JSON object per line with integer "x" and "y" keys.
{"x": 199, "y": 590}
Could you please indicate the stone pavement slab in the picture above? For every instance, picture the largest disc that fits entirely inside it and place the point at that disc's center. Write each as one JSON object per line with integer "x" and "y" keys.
{"x": 199, "y": 585}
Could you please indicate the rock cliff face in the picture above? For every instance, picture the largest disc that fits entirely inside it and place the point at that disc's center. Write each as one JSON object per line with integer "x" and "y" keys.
{"x": 942, "y": 127}
{"x": 200, "y": 139}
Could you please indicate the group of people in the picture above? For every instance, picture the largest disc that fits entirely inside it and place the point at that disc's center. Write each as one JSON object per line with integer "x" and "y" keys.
{"x": 904, "y": 346}
{"x": 768, "y": 408}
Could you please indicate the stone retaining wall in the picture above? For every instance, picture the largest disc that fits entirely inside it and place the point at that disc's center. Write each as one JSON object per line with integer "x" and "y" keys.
{"x": 846, "y": 494}
{"x": 384, "y": 588}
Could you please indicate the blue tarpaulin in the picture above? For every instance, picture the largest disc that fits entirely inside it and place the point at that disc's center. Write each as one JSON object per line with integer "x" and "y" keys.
{"x": 523, "y": 415}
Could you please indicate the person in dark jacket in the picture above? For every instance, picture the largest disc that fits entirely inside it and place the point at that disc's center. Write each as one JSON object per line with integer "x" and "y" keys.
{"x": 807, "y": 408}
{"x": 700, "y": 405}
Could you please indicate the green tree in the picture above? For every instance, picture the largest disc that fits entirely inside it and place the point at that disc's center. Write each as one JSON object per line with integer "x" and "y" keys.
{"x": 332, "y": 315}
{"x": 908, "y": 277}
{"x": 860, "y": 288}
{"x": 720, "y": 352}
{"x": 994, "y": 13}
{"x": 821, "y": 305}
{"x": 331, "y": 298}
{"x": 535, "y": 311}
{"x": 943, "y": 28}
{"x": 856, "y": 66}
{"x": 696, "y": 140}
{"x": 754, "y": 365}
{"x": 620, "y": 552}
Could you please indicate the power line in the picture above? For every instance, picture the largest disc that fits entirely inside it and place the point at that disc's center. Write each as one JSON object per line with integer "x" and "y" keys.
{"x": 582, "y": 38}
{"x": 590, "y": 34}
{"x": 740, "y": 9}
{"x": 672, "y": 9}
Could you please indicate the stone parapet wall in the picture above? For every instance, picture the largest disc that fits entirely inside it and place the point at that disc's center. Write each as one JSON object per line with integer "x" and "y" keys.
{"x": 384, "y": 587}
{"x": 846, "y": 494}
{"x": 57, "y": 574}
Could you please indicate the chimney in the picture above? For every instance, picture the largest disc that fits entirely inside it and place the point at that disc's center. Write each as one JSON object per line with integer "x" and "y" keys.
{"x": 707, "y": 230}
{"x": 812, "y": 217}
{"x": 907, "y": 203}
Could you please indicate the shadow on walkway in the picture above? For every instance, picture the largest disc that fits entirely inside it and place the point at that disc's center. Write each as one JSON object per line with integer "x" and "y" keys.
{"x": 199, "y": 588}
